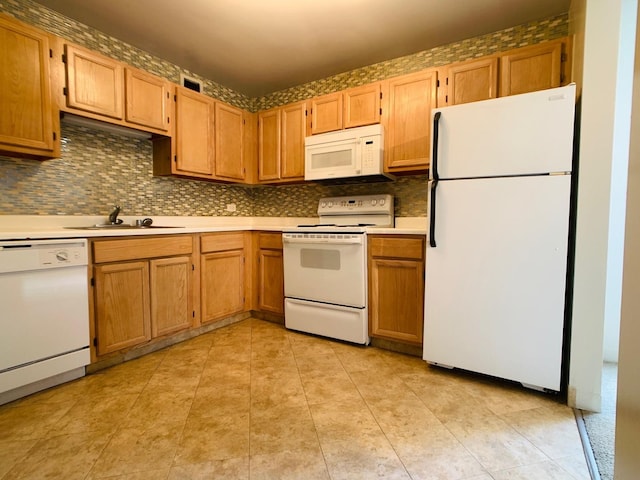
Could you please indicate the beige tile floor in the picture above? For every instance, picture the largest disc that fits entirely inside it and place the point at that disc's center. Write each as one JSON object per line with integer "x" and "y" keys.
{"x": 254, "y": 400}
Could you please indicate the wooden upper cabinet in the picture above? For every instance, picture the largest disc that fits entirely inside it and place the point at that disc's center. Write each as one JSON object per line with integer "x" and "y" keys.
{"x": 105, "y": 89}
{"x": 94, "y": 83}
{"x": 147, "y": 99}
{"x": 531, "y": 68}
{"x": 250, "y": 146}
{"x": 269, "y": 145}
{"x": 326, "y": 113}
{"x": 228, "y": 142}
{"x": 362, "y": 105}
{"x": 26, "y": 113}
{"x": 349, "y": 108}
{"x": 407, "y": 119}
{"x": 281, "y": 133}
{"x": 293, "y": 129}
{"x": 194, "y": 134}
{"x": 472, "y": 81}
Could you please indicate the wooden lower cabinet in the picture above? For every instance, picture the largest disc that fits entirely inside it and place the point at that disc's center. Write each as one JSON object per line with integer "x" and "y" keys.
{"x": 223, "y": 275}
{"x": 396, "y": 287}
{"x": 270, "y": 273}
{"x": 171, "y": 295}
{"x": 122, "y": 306}
{"x": 142, "y": 290}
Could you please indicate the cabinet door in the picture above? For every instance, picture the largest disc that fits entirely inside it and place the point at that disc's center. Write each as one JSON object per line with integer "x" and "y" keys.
{"x": 269, "y": 145}
{"x": 326, "y": 113}
{"x": 472, "y": 81}
{"x": 228, "y": 159}
{"x": 26, "y": 116}
{"x": 532, "y": 68}
{"x": 271, "y": 281}
{"x": 194, "y": 133}
{"x": 362, "y": 105}
{"x": 293, "y": 120}
{"x": 122, "y": 305}
{"x": 222, "y": 284}
{"x": 408, "y": 121}
{"x": 396, "y": 299}
{"x": 147, "y": 97}
{"x": 94, "y": 83}
{"x": 396, "y": 287}
{"x": 171, "y": 308}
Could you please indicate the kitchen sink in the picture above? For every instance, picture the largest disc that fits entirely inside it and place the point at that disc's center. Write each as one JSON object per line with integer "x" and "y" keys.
{"x": 121, "y": 226}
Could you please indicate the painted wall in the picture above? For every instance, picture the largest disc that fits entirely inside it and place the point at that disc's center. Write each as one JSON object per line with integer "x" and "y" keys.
{"x": 98, "y": 169}
{"x": 609, "y": 31}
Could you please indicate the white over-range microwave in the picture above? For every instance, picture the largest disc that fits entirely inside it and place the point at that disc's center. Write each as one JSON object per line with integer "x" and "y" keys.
{"x": 354, "y": 153}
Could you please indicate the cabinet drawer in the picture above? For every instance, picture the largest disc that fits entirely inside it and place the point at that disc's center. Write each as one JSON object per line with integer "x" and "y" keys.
{"x": 397, "y": 247}
{"x": 138, "y": 248}
{"x": 271, "y": 241}
{"x": 219, "y": 242}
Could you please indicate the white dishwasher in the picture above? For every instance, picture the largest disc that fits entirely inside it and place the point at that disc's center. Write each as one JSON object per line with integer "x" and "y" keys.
{"x": 44, "y": 314}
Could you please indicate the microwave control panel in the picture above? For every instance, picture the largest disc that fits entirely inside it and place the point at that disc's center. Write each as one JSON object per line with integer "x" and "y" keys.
{"x": 371, "y": 154}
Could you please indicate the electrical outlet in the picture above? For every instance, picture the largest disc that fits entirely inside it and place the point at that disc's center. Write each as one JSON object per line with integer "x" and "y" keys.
{"x": 231, "y": 207}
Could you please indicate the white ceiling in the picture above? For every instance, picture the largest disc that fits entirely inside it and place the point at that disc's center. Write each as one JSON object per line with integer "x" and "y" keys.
{"x": 260, "y": 46}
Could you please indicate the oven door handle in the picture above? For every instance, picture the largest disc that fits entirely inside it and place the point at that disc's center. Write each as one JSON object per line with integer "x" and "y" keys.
{"x": 324, "y": 241}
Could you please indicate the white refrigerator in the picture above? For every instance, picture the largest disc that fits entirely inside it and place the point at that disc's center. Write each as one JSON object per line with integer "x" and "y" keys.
{"x": 499, "y": 207}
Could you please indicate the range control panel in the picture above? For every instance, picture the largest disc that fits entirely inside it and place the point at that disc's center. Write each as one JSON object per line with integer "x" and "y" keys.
{"x": 356, "y": 205}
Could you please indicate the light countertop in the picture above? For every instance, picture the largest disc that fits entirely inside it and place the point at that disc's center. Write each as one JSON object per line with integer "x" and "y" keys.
{"x": 23, "y": 227}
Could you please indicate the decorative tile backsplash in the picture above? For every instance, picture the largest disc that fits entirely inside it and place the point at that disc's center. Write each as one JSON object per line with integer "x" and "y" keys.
{"x": 98, "y": 170}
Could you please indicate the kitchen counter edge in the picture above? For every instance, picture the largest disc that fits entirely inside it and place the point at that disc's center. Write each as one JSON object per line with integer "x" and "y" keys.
{"x": 32, "y": 232}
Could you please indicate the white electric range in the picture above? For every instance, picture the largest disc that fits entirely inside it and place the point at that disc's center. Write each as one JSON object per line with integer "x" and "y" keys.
{"x": 325, "y": 267}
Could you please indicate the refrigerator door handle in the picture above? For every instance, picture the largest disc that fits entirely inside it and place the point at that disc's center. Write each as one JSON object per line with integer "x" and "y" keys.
{"x": 432, "y": 214}
{"x": 434, "y": 183}
{"x": 434, "y": 153}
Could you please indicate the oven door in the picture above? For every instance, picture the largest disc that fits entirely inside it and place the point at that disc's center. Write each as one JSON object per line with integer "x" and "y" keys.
{"x": 327, "y": 268}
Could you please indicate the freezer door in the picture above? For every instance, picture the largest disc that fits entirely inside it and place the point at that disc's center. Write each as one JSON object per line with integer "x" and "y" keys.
{"x": 495, "y": 282}
{"x": 517, "y": 135}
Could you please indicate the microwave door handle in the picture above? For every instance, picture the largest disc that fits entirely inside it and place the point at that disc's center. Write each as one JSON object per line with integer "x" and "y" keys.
{"x": 358, "y": 162}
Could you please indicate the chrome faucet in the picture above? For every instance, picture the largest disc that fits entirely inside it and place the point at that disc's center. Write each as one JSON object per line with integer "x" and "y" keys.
{"x": 113, "y": 216}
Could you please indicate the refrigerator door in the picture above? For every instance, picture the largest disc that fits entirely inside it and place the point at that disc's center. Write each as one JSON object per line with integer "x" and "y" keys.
{"x": 495, "y": 283}
{"x": 523, "y": 134}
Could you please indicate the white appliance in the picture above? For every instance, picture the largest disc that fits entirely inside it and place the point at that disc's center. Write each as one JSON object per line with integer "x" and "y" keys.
{"x": 44, "y": 323}
{"x": 325, "y": 267}
{"x": 499, "y": 190}
{"x": 354, "y": 153}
